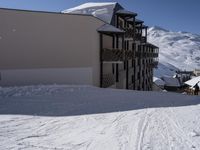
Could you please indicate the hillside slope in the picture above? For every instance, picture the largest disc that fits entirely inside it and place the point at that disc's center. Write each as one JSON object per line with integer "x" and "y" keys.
{"x": 180, "y": 49}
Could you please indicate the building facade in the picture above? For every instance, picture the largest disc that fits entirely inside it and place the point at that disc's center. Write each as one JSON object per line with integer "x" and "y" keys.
{"x": 47, "y": 48}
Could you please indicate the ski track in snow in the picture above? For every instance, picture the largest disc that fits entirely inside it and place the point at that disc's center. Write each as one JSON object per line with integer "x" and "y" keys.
{"x": 156, "y": 129}
{"x": 167, "y": 128}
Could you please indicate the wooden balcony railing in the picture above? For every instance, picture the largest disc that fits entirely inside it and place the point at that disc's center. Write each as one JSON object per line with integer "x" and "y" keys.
{"x": 146, "y": 54}
{"x": 154, "y": 64}
{"x": 129, "y": 54}
{"x": 108, "y": 80}
{"x": 138, "y": 37}
{"x": 113, "y": 55}
{"x": 117, "y": 55}
{"x": 129, "y": 33}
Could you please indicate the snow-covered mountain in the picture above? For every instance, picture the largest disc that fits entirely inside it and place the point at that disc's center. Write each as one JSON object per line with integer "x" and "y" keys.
{"x": 180, "y": 49}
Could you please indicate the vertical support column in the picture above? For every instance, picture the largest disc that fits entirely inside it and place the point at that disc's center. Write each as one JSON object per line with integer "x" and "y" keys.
{"x": 134, "y": 57}
{"x": 113, "y": 46}
{"x": 140, "y": 32}
{"x": 117, "y": 65}
{"x": 134, "y": 30}
{"x": 145, "y": 34}
{"x": 117, "y": 46}
{"x": 101, "y": 60}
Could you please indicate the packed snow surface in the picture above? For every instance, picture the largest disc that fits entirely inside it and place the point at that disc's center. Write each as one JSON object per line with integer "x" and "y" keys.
{"x": 103, "y": 11}
{"x": 180, "y": 49}
{"x": 83, "y": 117}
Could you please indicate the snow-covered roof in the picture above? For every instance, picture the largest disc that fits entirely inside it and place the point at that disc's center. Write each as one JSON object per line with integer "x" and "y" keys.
{"x": 193, "y": 81}
{"x": 158, "y": 81}
{"x": 170, "y": 81}
{"x": 110, "y": 29}
{"x": 103, "y": 11}
{"x": 139, "y": 21}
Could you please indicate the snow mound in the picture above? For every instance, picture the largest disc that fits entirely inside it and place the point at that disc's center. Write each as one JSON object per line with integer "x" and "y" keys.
{"x": 103, "y": 11}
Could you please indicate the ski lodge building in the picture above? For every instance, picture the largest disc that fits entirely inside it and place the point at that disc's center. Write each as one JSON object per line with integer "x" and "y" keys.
{"x": 101, "y": 44}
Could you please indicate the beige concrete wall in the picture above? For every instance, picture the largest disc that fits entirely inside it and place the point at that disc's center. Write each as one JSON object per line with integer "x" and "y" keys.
{"x": 107, "y": 41}
{"x": 72, "y": 76}
{"x": 32, "y": 40}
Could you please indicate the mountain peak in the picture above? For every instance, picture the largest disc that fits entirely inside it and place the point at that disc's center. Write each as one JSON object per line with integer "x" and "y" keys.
{"x": 158, "y": 28}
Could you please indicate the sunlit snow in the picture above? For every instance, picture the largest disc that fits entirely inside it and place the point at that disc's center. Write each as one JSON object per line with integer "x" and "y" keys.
{"x": 84, "y": 117}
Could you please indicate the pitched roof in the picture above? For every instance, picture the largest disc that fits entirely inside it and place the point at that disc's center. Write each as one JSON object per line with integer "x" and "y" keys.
{"x": 193, "y": 81}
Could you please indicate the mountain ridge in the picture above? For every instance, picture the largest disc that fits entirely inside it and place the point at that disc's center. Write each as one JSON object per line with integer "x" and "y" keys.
{"x": 180, "y": 49}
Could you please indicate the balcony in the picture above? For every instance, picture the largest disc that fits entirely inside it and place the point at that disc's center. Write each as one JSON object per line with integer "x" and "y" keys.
{"x": 154, "y": 64}
{"x": 129, "y": 33}
{"x": 117, "y": 55}
{"x": 108, "y": 80}
{"x": 129, "y": 54}
{"x": 143, "y": 39}
{"x": 138, "y": 36}
{"x": 113, "y": 55}
{"x": 146, "y": 54}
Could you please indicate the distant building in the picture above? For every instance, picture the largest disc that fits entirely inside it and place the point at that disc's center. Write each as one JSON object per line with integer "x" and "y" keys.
{"x": 197, "y": 72}
{"x": 47, "y": 47}
{"x": 171, "y": 83}
{"x": 183, "y": 76}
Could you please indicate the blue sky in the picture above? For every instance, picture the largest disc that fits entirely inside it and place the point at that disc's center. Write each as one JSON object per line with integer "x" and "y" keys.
{"x": 176, "y": 15}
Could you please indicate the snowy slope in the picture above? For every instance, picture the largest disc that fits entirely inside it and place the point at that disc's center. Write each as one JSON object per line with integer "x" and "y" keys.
{"x": 165, "y": 69}
{"x": 103, "y": 11}
{"x": 180, "y": 49}
{"x": 83, "y": 117}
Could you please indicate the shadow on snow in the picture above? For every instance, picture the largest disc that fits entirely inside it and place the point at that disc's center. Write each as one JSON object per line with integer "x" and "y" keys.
{"x": 91, "y": 101}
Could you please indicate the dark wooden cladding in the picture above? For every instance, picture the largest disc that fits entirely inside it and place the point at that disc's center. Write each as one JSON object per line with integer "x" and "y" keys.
{"x": 113, "y": 55}
{"x": 108, "y": 80}
{"x": 101, "y": 63}
{"x": 117, "y": 55}
{"x": 132, "y": 68}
